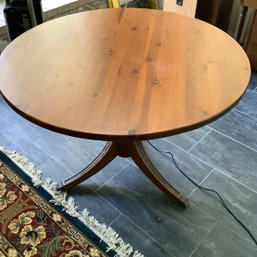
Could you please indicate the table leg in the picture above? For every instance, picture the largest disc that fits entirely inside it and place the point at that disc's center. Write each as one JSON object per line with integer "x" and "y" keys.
{"x": 141, "y": 159}
{"x": 106, "y": 156}
{"x": 126, "y": 148}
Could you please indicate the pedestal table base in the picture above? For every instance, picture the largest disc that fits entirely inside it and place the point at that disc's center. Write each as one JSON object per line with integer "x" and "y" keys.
{"x": 126, "y": 148}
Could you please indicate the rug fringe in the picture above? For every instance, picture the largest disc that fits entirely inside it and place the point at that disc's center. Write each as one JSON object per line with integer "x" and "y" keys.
{"x": 105, "y": 233}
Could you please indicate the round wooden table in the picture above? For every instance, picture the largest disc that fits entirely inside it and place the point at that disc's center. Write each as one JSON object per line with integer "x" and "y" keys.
{"x": 123, "y": 75}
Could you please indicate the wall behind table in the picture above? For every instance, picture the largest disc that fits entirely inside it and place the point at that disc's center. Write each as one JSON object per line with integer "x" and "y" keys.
{"x": 53, "y": 13}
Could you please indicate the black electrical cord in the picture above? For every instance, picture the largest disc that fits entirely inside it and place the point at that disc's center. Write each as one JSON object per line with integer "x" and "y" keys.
{"x": 206, "y": 189}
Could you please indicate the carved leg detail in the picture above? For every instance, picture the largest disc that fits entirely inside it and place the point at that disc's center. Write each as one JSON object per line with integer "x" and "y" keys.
{"x": 126, "y": 148}
{"x": 105, "y": 157}
{"x": 140, "y": 157}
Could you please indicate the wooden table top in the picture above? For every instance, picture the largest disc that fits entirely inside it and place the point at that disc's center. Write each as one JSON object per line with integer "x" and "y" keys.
{"x": 122, "y": 73}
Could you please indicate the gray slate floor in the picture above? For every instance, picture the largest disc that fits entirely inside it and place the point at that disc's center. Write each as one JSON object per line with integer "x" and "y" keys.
{"x": 222, "y": 156}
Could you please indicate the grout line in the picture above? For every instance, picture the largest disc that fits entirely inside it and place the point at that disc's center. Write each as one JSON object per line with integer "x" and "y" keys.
{"x": 252, "y": 91}
{"x": 222, "y": 172}
{"x": 200, "y": 183}
{"x": 49, "y": 157}
{"x": 245, "y": 238}
{"x": 208, "y": 164}
{"x": 200, "y": 140}
{"x": 248, "y": 90}
{"x": 166, "y": 140}
{"x": 56, "y": 160}
{"x": 121, "y": 213}
{"x": 222, "y": 223}
{"x": 235, "y": 109}
{"x": 110, "y": 224}
{"x": 228, "y": 176}
{"x": 203, "y": 211}
{"x": 105, "y": 200}
{"x": 157, "y": 242}
{"x": 208, "y": 125}
{"x": 117, "y": 173}
{"x": 235, "y": 140}
{"x": 246, "y": 114}
{"x": 207, "y": 234}
{"x": 59, "y": 162}
{"x": 225, "y": 174}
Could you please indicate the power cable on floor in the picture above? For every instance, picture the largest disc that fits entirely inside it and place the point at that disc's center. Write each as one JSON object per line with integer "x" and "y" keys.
{"x": 206, "y": 189}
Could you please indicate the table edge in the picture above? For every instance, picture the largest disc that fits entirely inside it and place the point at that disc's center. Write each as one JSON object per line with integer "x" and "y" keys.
{"x": 109, "y": 137}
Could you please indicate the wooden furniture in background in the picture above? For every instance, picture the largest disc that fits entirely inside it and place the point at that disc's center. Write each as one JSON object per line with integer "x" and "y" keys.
{"x": 187, "y": 7}
{"x": 250, "y": 3}
{"x": 122, "y": 80}
{"x": 251, "y": 47}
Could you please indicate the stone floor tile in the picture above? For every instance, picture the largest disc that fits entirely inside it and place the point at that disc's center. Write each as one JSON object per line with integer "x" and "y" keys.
{"x": 238, "y": 126}
{"x": 52, "y": 169}
{"x": 98, "y": 207}
{"x": 196, "y": 169}
{"x": 15, "y": 141}
{"x": 140, "y": 240}
{"x": 188, "y": 139}
{"x": 248, "y": 104}
{"x": 239, "y": 199}
{"x": 62, "y": 148}
{"x": 221, "y": 242}
{"x": 175, "y": 228}
{"x": 228, "y": 156}
{"x": 253, "y": 81}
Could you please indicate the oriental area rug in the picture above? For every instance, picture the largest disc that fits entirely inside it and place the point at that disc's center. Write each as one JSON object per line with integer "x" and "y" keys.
{"x": 38, "y": 220}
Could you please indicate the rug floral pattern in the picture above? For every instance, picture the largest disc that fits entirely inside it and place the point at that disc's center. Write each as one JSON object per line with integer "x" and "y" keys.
{"x": 31, "y": 227}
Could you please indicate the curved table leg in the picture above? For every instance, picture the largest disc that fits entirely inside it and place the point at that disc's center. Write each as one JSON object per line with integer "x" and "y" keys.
{"x": 126, "y": 148}
{"x": 106, "y": 156}
{"x": 140, "y": 157}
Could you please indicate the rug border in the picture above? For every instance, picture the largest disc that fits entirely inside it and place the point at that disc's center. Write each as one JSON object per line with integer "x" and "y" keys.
{"x": 79, "y": 225}
{"x": 109, "y": 241}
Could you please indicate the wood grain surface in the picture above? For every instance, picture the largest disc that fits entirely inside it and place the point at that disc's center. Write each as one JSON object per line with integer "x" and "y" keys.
{"x": 123, "y": 73}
